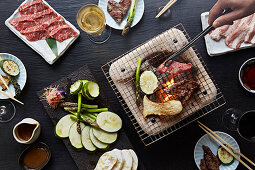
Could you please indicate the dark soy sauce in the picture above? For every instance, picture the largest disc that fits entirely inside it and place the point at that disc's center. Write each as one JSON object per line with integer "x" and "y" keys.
{"x": 248, "y": 75}
{"x": 247, "y": 126}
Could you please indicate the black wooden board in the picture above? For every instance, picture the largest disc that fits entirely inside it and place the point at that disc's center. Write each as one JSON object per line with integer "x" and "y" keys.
{"x": 83, "y": 159}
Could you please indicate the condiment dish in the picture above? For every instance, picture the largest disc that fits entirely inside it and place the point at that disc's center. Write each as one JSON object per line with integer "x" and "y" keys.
{"x": 244, "y": 65}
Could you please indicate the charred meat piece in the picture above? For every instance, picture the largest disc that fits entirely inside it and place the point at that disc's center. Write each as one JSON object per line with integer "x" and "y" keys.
{"x": 118, "y": 9}
{"x": 211, "y": 160}
{"x": 175, "y": 68}
{"x": 203, "y": 165}
{"x": 7, "y": 81}
{"x": 182, "y": 90}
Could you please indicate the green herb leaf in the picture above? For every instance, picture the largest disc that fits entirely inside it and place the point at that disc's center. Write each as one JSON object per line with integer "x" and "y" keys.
{"x": 53, "y": 45}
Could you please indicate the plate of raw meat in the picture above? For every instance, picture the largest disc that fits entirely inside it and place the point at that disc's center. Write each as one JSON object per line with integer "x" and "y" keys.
{"x": 230, "y": 38}
{"x": 35, "y": 21}
{"x": 116, "y": 12}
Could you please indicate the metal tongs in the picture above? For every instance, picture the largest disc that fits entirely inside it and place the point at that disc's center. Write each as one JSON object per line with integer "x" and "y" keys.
{"x": 192, "y": 42}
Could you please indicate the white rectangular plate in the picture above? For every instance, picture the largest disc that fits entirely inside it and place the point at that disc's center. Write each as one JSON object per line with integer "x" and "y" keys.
{"x": 41, "y": 46}
{"x": 215, "y": 48}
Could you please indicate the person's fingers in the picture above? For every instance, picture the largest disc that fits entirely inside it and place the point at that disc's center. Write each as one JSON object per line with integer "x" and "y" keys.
{"x": 217, "y": 10}
{"x": 228, "y": 18}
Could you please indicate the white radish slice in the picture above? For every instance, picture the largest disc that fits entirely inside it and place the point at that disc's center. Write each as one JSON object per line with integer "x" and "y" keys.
{"x": 106, "y": 161}
{"x": 128, "y": 161}
{"x": 135, "y": 159}
{"x": 119, "y": 164}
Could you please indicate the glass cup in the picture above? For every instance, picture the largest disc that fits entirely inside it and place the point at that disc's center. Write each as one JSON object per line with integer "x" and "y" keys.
{"x": 244, "y": 123}
{"x": 91, "y": 19}
{"x": 7, "y": 110}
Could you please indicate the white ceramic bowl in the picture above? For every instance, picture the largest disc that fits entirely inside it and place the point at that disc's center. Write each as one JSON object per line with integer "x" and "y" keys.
{"x": 208, "y": 141}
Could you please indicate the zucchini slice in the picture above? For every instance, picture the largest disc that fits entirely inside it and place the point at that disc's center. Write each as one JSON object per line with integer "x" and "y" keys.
{"x": 74, "y": 136}
{"x": 225, "y": 157}
{"x": 148, "y": 82}
{"x": 90, "y": 90}
{"x": 109, "y": 121}
{"x": 76, "y": 87}
{"x": 96, "y": 142}
{"x": 85, "y": 139}
{"x": 10, "y": 67}
{"x": 105, "y": 137}
{"x": 63, "y": 126}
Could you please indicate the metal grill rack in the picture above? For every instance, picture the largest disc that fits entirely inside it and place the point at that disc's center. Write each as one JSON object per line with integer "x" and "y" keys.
{"x": 120, "y": 74}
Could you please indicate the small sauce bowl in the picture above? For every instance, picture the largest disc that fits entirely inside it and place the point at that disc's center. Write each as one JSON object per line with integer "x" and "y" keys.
{"x": 28, "y": 153}
{"x": 243, "y": 71}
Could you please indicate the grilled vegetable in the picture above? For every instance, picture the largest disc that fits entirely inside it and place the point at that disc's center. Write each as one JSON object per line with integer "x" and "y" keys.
{"x": 69, "y": 104}
{"x": 63, "y": 126}
{"x": 79, "y": 113}
{"x": 11, "y": 70}
{"x": 74, "y": 136}
{"x": 86, "y": 141}
{"x": 148, "y": 82}
{"x": 96, "y": 142}
{"x": 225, "y": 157}
{"x": 10, "y": 67}
{"x": 137, "y": 92}
{"x": 131, "y": 16}
{"x": 86, "y": 110}
{"x": 105, "y": 137}
{"x": 76, "y": 87}
{"x": 109, "y": 122}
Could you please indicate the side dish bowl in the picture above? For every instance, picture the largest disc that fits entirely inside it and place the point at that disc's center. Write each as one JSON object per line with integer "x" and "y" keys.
{"x": 244, "y": 65}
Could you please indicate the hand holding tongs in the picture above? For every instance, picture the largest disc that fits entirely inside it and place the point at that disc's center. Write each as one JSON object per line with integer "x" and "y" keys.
{"x": 192, "y": 42}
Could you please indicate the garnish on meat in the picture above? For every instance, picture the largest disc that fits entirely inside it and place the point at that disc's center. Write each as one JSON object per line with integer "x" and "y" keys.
{"x": 182, "y": 90}
{"x": 175, "y": 68}
{"x": 118, "y": 9}
{"x": 53, "y": 96}
{"x": 170, "y": 108}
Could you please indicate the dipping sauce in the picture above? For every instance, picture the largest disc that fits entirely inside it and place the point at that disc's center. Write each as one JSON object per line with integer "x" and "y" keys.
{"x": 248, "y": 75}
{"x": 25, "y": 131}
{"x": 246, "y": 126}
{"x": 35, "y": 158}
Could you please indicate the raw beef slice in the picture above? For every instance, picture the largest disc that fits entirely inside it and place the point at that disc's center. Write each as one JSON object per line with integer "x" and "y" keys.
{"x": 23, "y": 22}
{"x": 62, "y": 33}
{"x": 32, "y": 7}
{"x": 35, "y": 33}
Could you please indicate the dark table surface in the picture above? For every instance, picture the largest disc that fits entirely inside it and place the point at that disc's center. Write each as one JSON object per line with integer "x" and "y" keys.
{"x": 175, "y": 151}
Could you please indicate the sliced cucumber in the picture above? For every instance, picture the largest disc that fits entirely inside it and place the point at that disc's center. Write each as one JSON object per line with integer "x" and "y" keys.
{"x": 225, "y": 157}
{"x": 76, "y": 87}
{"x": 85, "y": 139}
{"x": 74, "y": 136}
{"x": 109, "y": 121}
{"x": 63, "y": 126}
{"x": 96, "y": 142}
{"x": 90, "y": 90}
{"x": 10, "y": 67}
{"x": 148, "y": 82}
{"x": 85, "y": 94}
{"x": 105, "y": 137}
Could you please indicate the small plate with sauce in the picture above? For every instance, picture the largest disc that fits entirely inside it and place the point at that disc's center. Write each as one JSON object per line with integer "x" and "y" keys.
{"x": 247, "y": 75}
{"x": 35, "y": 157}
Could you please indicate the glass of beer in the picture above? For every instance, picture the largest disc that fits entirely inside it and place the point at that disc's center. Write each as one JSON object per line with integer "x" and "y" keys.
{"x": 91, "y": 19}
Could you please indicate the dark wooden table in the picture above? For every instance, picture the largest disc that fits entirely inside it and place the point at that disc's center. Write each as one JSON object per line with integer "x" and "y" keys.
{"x": 174, "y": 151}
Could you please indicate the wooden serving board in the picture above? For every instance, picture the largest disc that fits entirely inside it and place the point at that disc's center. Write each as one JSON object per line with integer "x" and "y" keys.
{"x": 83, "y": 159}
{"x": 122, "y": 72}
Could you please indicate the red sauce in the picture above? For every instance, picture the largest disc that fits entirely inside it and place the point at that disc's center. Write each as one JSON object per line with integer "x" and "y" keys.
{"x": 25, "y": 131}
{"x": 248, "y": 76}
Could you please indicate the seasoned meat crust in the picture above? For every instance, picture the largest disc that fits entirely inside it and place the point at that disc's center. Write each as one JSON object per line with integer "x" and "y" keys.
{"x": 211, "y": 160}
{"x": 118, "y": 9}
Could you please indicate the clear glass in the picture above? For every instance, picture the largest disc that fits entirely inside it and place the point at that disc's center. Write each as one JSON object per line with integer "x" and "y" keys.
{"x": 236, "y": 120}
{"x": 166, "y": 14}
{"x": 7, "y": 110}
{"x": 91, "y": 19}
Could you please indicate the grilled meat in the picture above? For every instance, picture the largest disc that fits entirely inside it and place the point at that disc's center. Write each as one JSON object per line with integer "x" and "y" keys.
{"x": 118, "y": 9}
{"x": 7, "y": 81}
{"x": 182, "y": 90}
{"x": 203, "y": 165}
{"x": 157, "y": 58}
{"x": 174, "y": 68}
{"x": 211, "y": 160}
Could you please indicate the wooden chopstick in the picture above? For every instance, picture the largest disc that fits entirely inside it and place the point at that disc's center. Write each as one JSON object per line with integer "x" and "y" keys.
{"x": 1, "y": 77}
{"x": 227, "y": 143}
{"x": 5, "y": 94}
{"x": 168, "y": 5}
{"x": 227, "y": 149}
